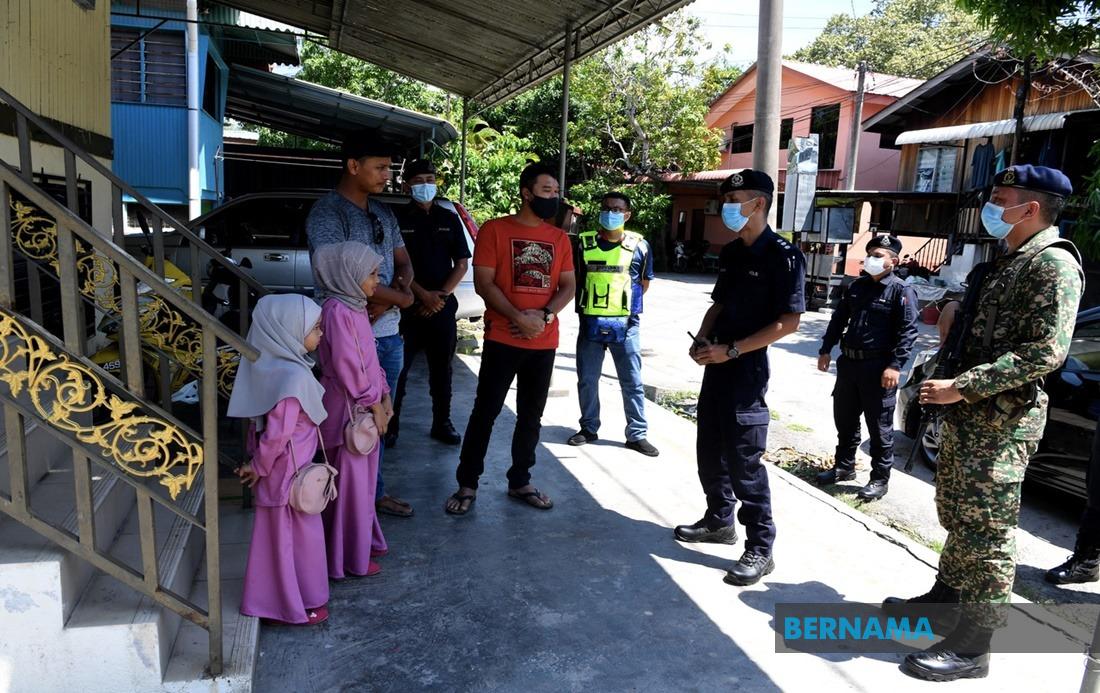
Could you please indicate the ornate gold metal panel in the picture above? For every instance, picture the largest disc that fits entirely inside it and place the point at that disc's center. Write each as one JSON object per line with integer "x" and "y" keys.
{"x": 65, "y": 392}
{"x": 162, "y": 327}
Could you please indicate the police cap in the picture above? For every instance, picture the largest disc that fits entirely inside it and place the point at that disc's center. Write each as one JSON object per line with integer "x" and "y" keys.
{"x": 885, "y": 241}
{"x": 747, "y": 179}
{"x": 1038, "y": 178}
{"x": 419, "y": 167}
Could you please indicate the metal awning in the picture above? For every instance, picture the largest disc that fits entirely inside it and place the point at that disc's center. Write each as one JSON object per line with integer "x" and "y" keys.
{"x": 310, "y": 110}
{"x": 992, "y": 128}
{"x": 487, "y": 50}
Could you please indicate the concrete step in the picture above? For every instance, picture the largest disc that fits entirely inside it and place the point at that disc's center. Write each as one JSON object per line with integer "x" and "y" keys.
{"x": 43, "y": 582}
{"x": 42, "y": 449}
{"x": 113, "y": 618}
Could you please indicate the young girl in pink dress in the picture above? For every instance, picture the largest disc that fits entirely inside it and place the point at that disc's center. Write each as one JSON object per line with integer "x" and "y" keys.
{"x": 286, "y": 581}
{"x": 351, "y": 375}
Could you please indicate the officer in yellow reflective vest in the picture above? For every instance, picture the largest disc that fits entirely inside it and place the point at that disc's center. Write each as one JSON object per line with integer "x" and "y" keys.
{"x": 614, "y": 271}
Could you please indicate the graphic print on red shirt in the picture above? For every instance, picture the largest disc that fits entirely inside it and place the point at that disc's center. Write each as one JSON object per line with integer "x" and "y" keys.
{"x": 532, "y": 262}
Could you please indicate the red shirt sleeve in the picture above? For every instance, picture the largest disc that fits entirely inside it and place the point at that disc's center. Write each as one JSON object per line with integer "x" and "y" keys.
{"x": 565, "y": 250}
{"x": 485, "y": 248}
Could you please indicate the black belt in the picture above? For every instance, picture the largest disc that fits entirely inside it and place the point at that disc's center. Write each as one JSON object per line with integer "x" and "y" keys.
{"x": 861, "y": 355}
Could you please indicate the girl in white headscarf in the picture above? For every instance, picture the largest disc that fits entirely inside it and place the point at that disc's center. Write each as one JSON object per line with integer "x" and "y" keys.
{"x": 286, "y": 581}
{"x": 347, "y": 273}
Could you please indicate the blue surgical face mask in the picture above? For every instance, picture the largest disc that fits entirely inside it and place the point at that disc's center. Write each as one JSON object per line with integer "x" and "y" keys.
{"x": 423, "y": 192}
{"x": 992, "y": 221}
{"x": 733, "y": 217}
{"x": 612, "y": 220}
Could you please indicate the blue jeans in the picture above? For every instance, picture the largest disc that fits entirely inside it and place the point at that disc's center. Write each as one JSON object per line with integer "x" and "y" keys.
{"x": 628, "y": 365}
{"x": 391, "y": 356}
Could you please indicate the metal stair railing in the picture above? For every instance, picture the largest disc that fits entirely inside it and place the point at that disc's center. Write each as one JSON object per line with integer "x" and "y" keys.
{"x": 31, "y": 363}
{"x": 184, "y": 351}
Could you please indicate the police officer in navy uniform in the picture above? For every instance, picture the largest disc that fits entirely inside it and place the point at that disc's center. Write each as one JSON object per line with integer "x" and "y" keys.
{"x": 436, "y": 242}
{"x": 758, "y": 299}
{"x": 878, "y": 320}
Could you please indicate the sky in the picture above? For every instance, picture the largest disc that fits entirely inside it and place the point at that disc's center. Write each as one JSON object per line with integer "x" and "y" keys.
{"x": 734, "y": 22}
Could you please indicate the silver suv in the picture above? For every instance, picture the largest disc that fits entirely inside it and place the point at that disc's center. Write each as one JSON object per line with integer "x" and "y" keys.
{"x": 269, "y": 230}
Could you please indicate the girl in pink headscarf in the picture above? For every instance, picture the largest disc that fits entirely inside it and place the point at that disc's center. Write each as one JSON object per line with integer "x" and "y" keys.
{"x": 347, "y": 273}
{"x": 286, "y": 581}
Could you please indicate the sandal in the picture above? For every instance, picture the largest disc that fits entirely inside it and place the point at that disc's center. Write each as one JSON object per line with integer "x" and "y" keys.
{"x": 388, "y": 505}
{"x": 533, "y": 498}
{"x": 460, "y": 498}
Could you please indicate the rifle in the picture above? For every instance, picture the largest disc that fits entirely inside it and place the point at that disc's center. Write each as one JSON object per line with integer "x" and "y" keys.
{"x": 949, "y": 357}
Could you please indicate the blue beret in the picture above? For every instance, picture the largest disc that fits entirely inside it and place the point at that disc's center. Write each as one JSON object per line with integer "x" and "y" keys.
{"x": 1037, "y": 178}
{"x": 747, "y": 179}
{"x": 891, "y": 243}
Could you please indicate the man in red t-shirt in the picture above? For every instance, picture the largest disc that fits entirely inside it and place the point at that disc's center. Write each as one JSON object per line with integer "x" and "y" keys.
{"x": 523, "y": 268}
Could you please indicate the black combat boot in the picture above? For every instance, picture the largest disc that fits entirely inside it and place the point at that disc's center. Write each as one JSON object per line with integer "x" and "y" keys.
{"x": 964, "y": 654}
{"x": 834, "y": 475}
{"x": 941, "y": 593}
{"x": 1082, "y": 566}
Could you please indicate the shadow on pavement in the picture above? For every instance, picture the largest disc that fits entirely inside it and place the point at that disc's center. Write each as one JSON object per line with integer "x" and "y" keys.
{"x": 508, "y": 597}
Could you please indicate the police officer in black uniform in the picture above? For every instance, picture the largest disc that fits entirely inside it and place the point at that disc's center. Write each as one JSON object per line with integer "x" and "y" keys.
{"x": 436, "y": 243}
{"x": 877, "y": 317}
{"x": 758, "y": 299}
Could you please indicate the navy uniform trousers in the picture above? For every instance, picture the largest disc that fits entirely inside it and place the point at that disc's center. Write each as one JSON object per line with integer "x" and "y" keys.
{"x": 859, "y": 390}
{"x": 732, "y": 436}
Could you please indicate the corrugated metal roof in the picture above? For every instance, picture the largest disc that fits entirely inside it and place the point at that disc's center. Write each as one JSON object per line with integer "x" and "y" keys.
{"x": 848, "y": 79}
{"x": 488, "y": 50}
{"x": 992, "y": 128}
{"x": 314, "y": 111}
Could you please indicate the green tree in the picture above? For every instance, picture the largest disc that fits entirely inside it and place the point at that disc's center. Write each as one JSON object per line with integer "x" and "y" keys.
{"x": 1046, "y": 28}
{"x": 908, "y": 38}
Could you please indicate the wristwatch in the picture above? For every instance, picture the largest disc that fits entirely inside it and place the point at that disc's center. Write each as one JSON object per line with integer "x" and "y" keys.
{"x": 733, "y": 352}
{"x": 547, "y": 315}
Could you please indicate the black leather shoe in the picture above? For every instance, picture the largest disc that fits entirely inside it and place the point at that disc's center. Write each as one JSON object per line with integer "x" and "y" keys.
{"x": 875, "y": 489}
{"x": 700, "y": 533}
{"x": 582, "y": 436}
{"x": 834, "y": 475}
{"x": 445, "y": 433}
{"x": 643, "y": 446}
{"x": 964, "y": 654}
{"x": 749, "y": 569}
{"x": 1082, "y": 566}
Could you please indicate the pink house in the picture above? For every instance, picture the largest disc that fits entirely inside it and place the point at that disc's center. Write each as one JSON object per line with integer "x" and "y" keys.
{"x": 815, "y": 99}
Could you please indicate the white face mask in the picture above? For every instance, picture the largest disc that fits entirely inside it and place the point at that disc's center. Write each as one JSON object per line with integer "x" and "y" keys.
{"x": 874, "y": 266}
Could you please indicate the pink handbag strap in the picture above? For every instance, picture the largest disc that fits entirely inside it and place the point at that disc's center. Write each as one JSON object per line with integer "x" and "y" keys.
{"x": 321, "y": 442}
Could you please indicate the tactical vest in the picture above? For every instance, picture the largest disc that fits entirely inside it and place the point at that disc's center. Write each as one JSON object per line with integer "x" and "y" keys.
{"x": 607, "y": 285}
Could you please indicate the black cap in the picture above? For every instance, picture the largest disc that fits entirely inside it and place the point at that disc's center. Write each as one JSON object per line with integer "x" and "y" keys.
{"x": 363, "y": 143}
{"x": 747, "y": 179}
{"x": 887, "y": 242}
{"x": 1037, "y": 178}
{"x": 417, "y": 167}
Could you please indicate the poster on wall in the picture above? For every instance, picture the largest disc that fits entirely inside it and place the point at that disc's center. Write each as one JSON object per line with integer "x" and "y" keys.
{"x": 800, "y": 185}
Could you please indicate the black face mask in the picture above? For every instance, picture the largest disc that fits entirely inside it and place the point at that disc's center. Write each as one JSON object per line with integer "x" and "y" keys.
{"x": 544, "y": 207}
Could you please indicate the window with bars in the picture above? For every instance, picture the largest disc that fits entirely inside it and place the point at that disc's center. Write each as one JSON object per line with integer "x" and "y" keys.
{"x": 825, "y": 122}
{"x": 152, "y": 69}
{"x": 935, "y": 169}
{"x": 786, "y": 132}
{"x": 740, "y": 139}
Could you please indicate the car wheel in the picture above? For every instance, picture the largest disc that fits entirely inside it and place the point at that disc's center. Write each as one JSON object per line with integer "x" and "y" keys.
{"x": 929, "y": 442}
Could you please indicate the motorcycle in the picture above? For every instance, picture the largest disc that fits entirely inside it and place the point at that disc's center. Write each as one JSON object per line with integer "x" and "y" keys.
{"x": 221, "y": 297}
{"x": 690, "y": 256}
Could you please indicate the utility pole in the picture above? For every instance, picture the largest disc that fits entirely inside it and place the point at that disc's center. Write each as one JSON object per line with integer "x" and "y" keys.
{"x": 853, "y": 137}
{"x": 1022, "y": 92}
{"x": 565, "y": 104}
{"x": 462, "y": 163}
{"x": 769, "y": 78}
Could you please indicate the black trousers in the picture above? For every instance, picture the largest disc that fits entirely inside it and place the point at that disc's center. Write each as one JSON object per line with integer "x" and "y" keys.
{"x": 437, "y": 337}
{"x": 731, "y": 437}
{"x": 500, "y": 365}
{"x": 1088, "y": 536}
{"x": 859, "y": 391}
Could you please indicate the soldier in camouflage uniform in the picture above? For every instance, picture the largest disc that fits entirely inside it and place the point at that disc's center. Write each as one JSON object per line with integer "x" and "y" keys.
{"x": 1019, "y": 333}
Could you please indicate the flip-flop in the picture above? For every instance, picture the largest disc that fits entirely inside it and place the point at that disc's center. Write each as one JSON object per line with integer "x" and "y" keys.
{"x": 529, "y": 496}
{"x": 406, "y": 511}
{"x": 456, "y": 496}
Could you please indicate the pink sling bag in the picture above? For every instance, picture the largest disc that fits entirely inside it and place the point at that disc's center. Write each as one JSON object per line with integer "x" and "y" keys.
{"x": 360, "y": 433}
{"x": 314, "y": 485}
